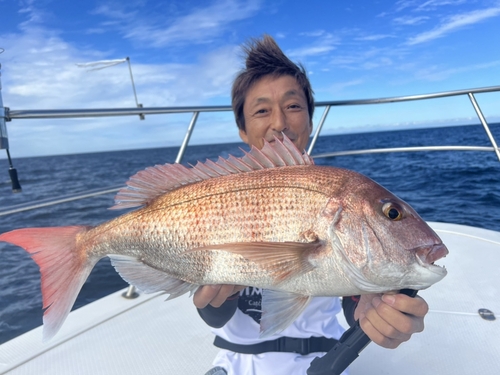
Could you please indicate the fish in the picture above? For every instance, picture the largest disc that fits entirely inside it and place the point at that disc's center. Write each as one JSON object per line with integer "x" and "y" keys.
{"x": 271, "y": 219}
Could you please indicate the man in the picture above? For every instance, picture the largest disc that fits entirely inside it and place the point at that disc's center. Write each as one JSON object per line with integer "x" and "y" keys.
{"x": 270, "y": 97}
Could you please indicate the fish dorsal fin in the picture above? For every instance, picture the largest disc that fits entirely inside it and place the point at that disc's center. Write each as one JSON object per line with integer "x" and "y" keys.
{"x": 152, "y": 182}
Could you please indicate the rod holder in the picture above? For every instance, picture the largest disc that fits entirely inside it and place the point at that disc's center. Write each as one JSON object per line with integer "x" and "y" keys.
{"x": 16, "y": 186}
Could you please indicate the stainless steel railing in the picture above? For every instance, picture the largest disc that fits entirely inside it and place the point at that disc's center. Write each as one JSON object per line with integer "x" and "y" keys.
{"x": 470, "y": 93}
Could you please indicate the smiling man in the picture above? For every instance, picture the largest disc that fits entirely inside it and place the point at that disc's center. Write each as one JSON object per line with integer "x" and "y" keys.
{"x": 274, "y": 106}
{"x": 271, "y": 97}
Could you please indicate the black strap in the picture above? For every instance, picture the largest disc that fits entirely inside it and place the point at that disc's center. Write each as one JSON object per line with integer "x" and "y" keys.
{"x": 282, "y": 344}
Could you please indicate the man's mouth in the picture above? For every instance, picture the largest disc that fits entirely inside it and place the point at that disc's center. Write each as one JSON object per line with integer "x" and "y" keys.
{"x": 280, "y": 138}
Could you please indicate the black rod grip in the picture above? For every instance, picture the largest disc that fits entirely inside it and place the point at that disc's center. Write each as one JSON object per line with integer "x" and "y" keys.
{"x": 347, "y": 349}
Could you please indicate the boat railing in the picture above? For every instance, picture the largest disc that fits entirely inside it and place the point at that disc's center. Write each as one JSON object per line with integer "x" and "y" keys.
{"x": 468, "y": 92}
{"x": 7, "y": 115}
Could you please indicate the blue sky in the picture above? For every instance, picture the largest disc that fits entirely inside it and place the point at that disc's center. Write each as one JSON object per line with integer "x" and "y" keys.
{"x": 187, "y": 53}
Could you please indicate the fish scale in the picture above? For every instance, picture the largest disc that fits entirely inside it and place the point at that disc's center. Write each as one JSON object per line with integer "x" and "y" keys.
{"x": 238, "y": 203}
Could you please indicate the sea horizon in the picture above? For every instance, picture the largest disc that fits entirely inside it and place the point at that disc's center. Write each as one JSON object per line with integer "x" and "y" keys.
{"x": 356, "y": 131}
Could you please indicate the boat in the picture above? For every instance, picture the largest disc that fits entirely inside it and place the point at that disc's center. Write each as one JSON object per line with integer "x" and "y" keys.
{"x": 128, "y": 332}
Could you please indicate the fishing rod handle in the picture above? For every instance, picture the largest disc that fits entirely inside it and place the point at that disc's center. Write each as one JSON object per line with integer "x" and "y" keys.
{"x": 346, "y": 350}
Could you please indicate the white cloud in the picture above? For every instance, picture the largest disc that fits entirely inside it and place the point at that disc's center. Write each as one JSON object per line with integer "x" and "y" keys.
{"x": 404, "y": 4}
{"x": 437, "y": 73}
{"x": 316, "y": 33}
{"x": 324, "y": 44}
{"x": 311, "y": 51}
{"x": 431, "y": 5}
{"x": 368, "y": 58}
{"x": 39, "y": 72}
{"x": 409, "y": 20}
{"x": 339, "y": 87}
{"x": 198, "y": 26}
{"x": 455, "y": 23}
{"x": 375, "y": 37}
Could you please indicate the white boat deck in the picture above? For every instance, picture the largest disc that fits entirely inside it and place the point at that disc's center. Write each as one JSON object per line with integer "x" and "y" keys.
{"x": 149, "y": 336}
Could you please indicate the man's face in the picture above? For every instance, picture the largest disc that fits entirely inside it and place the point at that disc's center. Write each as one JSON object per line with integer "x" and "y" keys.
{"x": 274, "y": 106}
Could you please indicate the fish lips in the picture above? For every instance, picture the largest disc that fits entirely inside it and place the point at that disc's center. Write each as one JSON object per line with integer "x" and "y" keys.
{"x": 427, "y": 255}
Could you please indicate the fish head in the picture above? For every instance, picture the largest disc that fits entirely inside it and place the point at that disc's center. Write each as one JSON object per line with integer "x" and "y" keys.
{"x": 385, "y": 244}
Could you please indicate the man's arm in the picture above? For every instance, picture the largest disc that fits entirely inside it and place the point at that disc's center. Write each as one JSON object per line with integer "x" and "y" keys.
{"x": 349, "y": 305}
{"x": 217, "y": 303}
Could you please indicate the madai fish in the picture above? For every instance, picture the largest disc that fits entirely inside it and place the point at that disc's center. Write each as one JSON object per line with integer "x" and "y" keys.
{"x": 270, "y": 219}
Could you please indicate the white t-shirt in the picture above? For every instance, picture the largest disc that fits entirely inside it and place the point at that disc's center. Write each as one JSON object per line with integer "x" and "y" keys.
{"x": 318, "y": 319}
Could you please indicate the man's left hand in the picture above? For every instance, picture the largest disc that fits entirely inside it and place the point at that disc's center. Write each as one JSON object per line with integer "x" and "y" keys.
{"x": 390, "y": 319}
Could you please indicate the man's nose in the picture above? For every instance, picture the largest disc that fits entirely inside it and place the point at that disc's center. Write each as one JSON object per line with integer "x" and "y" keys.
{"x": 278, "y": 121}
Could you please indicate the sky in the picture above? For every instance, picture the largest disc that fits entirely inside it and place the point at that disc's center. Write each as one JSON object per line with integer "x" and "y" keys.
{"x": 187, "y": 53}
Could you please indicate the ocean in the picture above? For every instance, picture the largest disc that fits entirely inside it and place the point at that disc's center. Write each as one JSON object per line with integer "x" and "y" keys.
{"x": 458, "y": 187}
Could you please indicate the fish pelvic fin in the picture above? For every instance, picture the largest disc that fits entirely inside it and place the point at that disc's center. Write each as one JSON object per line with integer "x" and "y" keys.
{"x": 149, "y": 279}
{"x": 279, "y": 310}
{"x": 282, "y": 259}
{"x": 150, "y": 183}
{"x": 63, "y": 269}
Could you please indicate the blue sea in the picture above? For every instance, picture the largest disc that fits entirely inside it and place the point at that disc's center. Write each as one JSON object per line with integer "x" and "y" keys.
{"x": 457, "y": 187}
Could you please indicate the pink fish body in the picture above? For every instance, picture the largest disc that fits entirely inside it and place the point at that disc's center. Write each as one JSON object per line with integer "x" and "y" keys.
{"x": 271, "y": 219}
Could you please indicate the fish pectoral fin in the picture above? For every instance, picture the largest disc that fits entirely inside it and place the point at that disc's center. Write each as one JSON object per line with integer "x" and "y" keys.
{"x": 279, "y": 310}
{"x": 281, "y": 259}
{"x": 149, "y": 279}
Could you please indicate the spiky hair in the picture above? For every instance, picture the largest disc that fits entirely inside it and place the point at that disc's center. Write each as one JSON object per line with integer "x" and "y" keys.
{"x": 265, "y": 58}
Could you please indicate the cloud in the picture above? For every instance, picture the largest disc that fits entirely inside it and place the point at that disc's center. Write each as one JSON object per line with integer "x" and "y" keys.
{"x": 313, "y": 33}
{"x": 431, "y": 5}
{"x": 374, "y": 37}
{"x": 437, "y": 73}
{"x": 403, "y": 4}
{"x": 40, "y": 72}
{"x": 198, "y": 26}
{"x": 410, "y": 21}
{"x": 325, "y": 43}
{"x": 368, "y": 58}
{"x": 339, "y": 87}
{"x": 455, "y": 23}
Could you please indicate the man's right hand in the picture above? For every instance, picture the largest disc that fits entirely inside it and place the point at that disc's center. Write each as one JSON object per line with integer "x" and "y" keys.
{"x": 214, "y": 295}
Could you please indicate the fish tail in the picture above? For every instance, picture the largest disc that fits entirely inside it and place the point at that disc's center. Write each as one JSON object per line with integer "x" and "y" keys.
{"x": 63, "y": 268}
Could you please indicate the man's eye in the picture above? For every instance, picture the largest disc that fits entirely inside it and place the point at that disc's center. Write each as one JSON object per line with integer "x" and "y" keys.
{"x": 260, "y": 111}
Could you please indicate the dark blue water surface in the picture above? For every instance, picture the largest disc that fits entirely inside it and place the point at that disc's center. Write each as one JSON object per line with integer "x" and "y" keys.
{"x": 457, "y": 187}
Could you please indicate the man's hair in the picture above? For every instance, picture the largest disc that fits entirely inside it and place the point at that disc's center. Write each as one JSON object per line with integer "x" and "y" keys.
{"x": 265, "y": 58}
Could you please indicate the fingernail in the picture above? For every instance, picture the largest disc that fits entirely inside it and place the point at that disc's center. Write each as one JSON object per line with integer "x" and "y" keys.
{"x": 388, "y": 299}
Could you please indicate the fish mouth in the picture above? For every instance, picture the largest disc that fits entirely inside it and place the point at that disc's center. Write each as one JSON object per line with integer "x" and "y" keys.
{"x": 427, "y": 255}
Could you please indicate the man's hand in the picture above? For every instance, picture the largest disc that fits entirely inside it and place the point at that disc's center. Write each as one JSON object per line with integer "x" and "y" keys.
{"x": 390, "y": 319}
{"x": 214, "y": 295}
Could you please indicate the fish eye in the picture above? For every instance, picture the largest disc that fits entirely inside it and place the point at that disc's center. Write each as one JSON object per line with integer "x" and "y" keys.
{"x": 392, "y": 211}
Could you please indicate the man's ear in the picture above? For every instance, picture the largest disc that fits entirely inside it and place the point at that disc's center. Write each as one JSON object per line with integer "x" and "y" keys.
{"x": 243, "y": 136}
{"x": 310, "y": 126}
